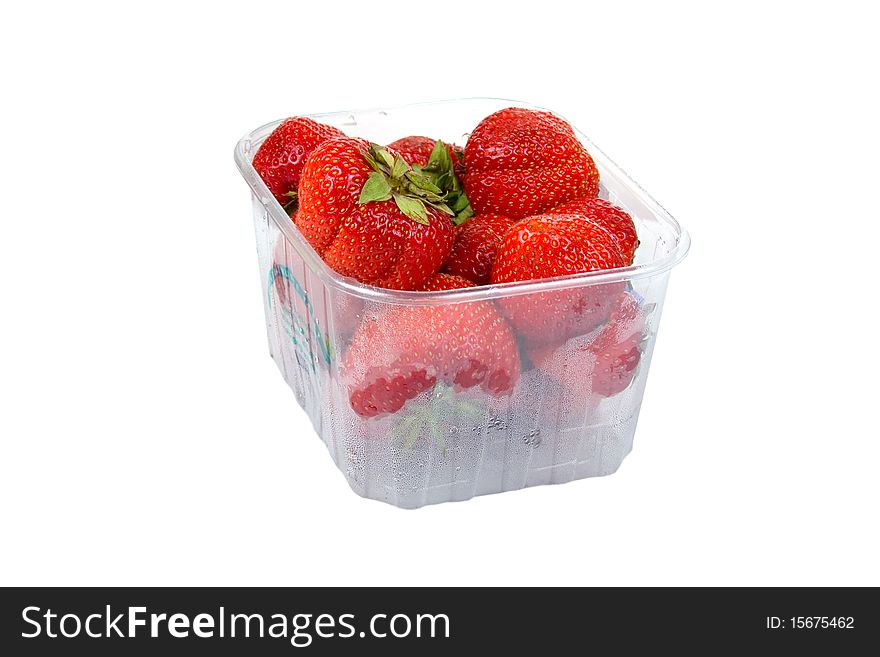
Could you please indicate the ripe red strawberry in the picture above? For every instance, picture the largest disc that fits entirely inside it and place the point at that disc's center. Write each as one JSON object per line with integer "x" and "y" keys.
{"x": 417, "y": 150}
{"x": 546, "y": 246}
{"x": 281, "y": 157}
{"x": 401, "y": 351}
{"x": 602, "y": 363}
{"x": 618, "y": 348}
{"x": 609, "y": 216}
{"x": 440, "y": 281}
{"x": 521, "y": 162}
{"x": 476, "y": 243}
{"x": 371, "y": 217}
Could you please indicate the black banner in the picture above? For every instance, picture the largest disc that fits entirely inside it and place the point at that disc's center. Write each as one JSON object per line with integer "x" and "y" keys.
{"x": 418, "y": 621}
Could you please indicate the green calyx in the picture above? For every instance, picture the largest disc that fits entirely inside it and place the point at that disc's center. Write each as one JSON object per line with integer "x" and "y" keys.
{"x": 429, "y": 419}
{"x": 415, "y": 188}
{"x": 440, "y": 170}
{"x": 394, "y": 178}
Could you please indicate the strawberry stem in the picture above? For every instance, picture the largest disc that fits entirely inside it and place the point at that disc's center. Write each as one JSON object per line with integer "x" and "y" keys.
{"x": 394, "y": 178}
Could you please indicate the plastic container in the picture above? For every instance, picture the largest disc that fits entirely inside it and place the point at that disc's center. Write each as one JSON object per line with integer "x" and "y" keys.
{"x": 450, "y": 445}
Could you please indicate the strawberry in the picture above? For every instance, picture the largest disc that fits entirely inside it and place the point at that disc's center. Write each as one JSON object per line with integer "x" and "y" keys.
{"x": 281, "y": 157}
{"x": 417, "y": 150}
{"x": 602, "y": 362}
{"x": 370, "y": 216}
{"x": 475, "y": 246}
{"x": 618, "y": 348}
{"x": 570, "y": 364}
{"x": 441, "y": 281}
{"x": 521, "y": 162}
{"x": 546, "y": 246}
{"x": 401, "y": 351}
{"x": 609, "y": 216}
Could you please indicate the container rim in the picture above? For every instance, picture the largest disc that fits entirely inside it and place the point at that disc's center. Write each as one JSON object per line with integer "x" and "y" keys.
{"x": 488, "y": 292}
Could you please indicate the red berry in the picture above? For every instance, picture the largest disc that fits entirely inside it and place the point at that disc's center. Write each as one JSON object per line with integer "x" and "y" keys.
{"x": 521, "y": 162}
{"x": 618, "y": 347}
{"x": 609, "y": 216}
{"x": 401, "y": 351}
{"x": 570, "y": 364}
{"x": 281, "y": 157}
{"x": 440, "y": 281}
{"x": 547, "y": 246}
{"x": 374, "y": 242}
{"x": 601, "y": 363}
{"x": 476, "y": 243}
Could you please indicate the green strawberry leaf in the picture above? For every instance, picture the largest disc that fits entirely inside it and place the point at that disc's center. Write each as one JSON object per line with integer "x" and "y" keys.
{"x": 442, "y": 207}
{"x": 471, "y": 411}
{"x": 439, "y": 160}
{"x": 400, "y": 167}
{"x": 382, "y": 155}
{"x": 438, "y": 435}
{"x": 370, "y": 160}
{"x": 463, "y": 215}
{"x": 376, "y": 188}
{"x": 413, "y": 437}
{"x": 405, "y": 425}
{"x": 423, "y": 195}
{"x": 440, "y": 173}
{"x": 429, "y": 418}
{"x": 458, "y": 202}
{"x": 414, "y": 187}
{"x": 422, "y": 182}
{"x": 412, "y": 208}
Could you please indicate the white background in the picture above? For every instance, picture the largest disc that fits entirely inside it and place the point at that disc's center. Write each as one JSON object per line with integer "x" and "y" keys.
{"x": 147, "y": 437}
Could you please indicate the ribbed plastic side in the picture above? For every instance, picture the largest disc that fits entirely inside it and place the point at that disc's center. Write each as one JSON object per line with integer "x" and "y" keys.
{"x": 542, "y": 433}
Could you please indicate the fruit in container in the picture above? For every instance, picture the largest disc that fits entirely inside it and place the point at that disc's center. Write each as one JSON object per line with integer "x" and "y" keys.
{"x": 521, "y": 162}
{"x": 402, "y": 217}
{"x": 442, "y": 165}
{"x": 442, "y": 281}
{"x": 370, "y": 217}
{"x": 398, "y": 352}
{"x": 475, "y": 246}
{"x": 614, "y": 219}
{"x": 548, "y": 246}
{"x": 603, "y": 362}
{"x": 510, "y": 346}
{"x": 282, "y": 156}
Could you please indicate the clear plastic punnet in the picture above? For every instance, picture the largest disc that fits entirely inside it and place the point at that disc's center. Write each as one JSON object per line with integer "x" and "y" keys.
{"x": 559, "y": 422}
